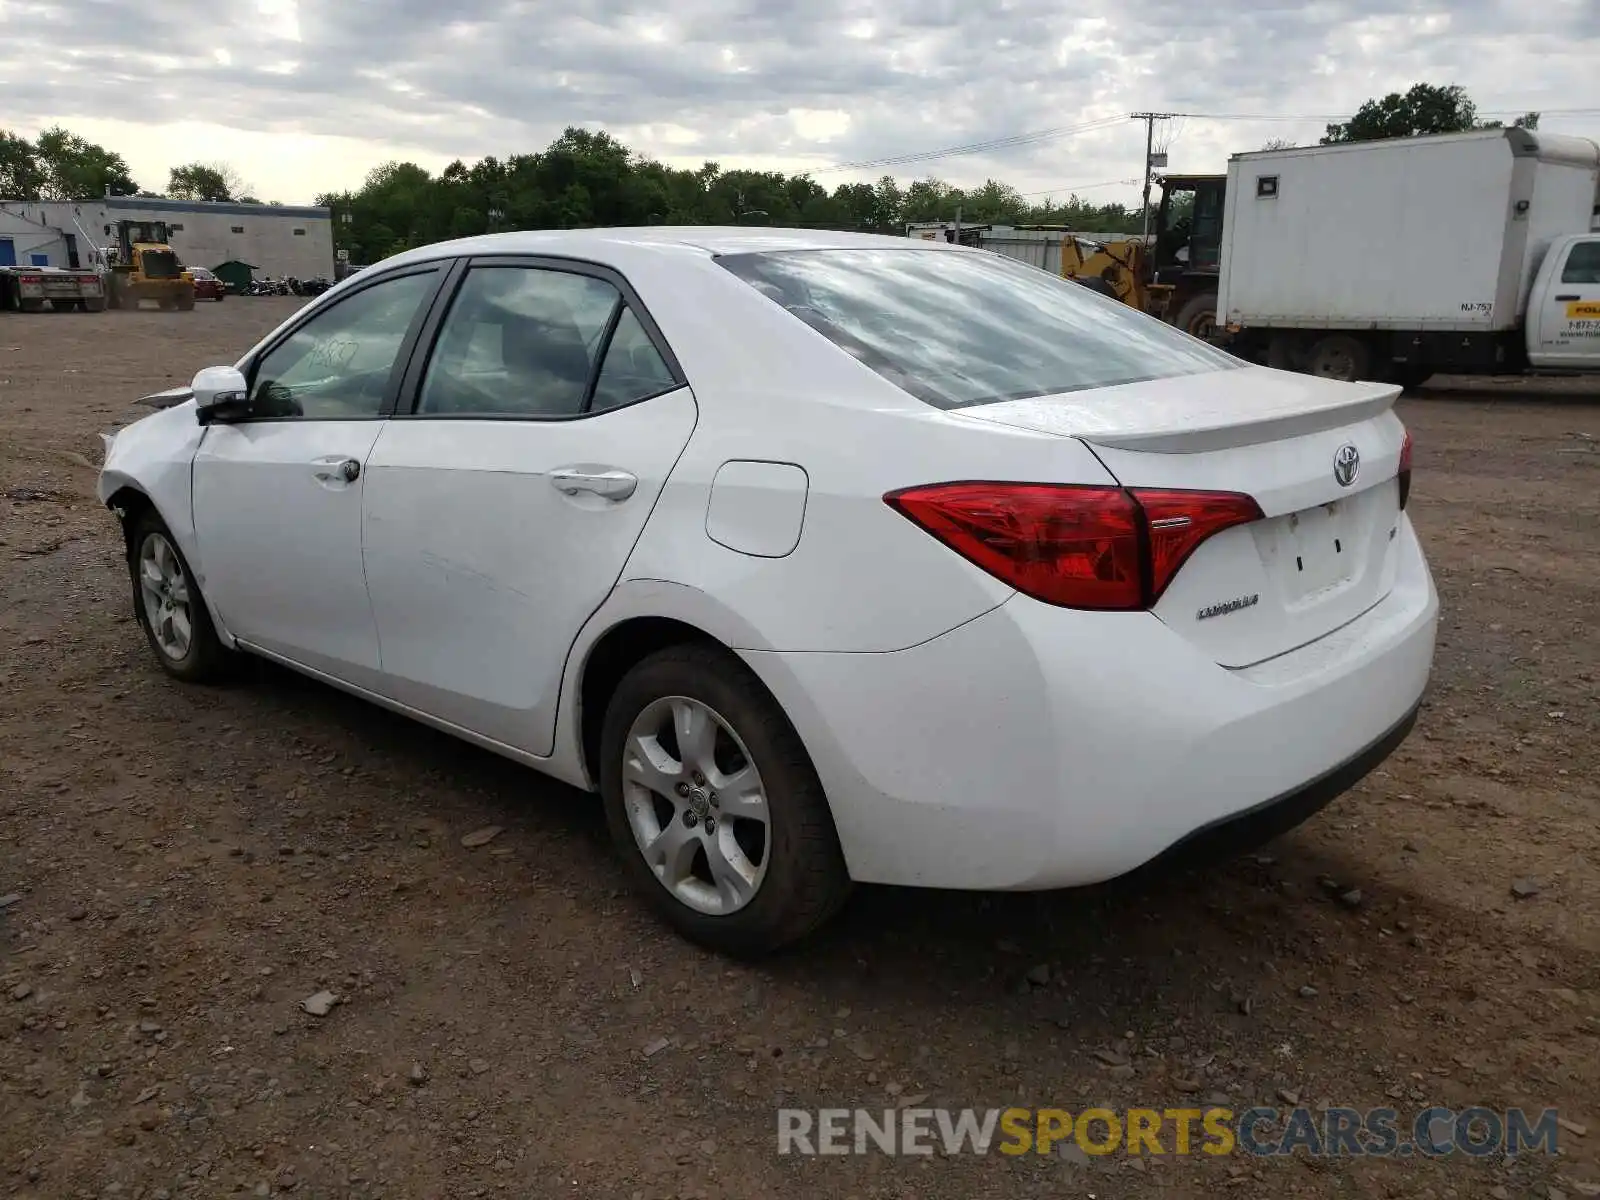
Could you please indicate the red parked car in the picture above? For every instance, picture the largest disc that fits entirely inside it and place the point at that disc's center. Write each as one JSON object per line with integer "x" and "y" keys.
{"x": 206, "y": 285}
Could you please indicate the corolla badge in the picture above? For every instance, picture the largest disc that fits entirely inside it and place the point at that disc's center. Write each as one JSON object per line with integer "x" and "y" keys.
{"x": 1223, "y": 607}
{"x": 1346, "y": 463}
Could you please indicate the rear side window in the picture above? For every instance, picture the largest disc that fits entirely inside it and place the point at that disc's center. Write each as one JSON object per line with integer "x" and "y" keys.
{"x": 956, "y": 329}
{"x": 534, "y": 342}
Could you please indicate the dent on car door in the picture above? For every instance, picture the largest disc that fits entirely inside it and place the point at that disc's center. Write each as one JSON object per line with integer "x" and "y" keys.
{"x": 501, "y": 510}
{"x": 277, "y": 489}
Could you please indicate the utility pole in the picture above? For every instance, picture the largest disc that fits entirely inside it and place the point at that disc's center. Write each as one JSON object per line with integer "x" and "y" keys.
{"x": 1149, "y": 119}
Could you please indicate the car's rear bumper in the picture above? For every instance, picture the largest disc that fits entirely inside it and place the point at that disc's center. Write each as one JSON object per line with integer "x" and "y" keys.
{"x": 1241, "y": 831}
{"x": 1033, "y": 748}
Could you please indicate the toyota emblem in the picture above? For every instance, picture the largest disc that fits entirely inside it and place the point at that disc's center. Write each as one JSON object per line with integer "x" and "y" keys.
{"x": 1346, "y": 463}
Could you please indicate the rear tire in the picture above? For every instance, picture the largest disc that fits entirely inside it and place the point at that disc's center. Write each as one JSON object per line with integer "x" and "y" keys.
{"x": 169, "y": 605}
{"x": 1338, "y": 356}
{"x": 751, "y": 884}
{"x": 183, "y": 302}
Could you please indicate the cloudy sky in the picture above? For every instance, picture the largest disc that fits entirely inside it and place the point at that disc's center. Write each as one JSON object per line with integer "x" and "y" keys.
{"x": 304, "y": 96}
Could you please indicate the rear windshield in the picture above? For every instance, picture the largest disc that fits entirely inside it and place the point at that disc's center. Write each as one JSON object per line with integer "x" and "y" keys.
{"x": 956, "y": 329}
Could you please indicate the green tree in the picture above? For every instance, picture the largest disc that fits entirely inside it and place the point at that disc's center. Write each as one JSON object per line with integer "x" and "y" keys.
{"x": 1425, "y": 108}
{"x": 21, "y": 176}
{"x": 76, "y": 169}
{"x": 202, "y": 181}
{"x": 587, "y": 178}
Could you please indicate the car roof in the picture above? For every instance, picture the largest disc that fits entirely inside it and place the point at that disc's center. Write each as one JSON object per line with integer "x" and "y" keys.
{"x": 614, "y": 244}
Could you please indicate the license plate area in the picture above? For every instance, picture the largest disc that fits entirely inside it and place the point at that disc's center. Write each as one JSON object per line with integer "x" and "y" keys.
{"x": 1313, "y": 552}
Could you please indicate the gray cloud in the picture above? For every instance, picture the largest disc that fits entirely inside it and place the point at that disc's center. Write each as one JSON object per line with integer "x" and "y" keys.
{"x": 740, "y": 79}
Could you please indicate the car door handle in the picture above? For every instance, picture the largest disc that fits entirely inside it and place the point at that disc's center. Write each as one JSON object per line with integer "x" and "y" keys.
{"x": 613, "y": 484}
{"x": 343, "y": 470}
{"x": 1569, "y": 296}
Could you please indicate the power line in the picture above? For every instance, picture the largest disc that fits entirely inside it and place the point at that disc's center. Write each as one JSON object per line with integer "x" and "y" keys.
{"x": 1033, "y": 138}
{"x": 1080, "y": 187}
{"x": 1496, "y": 112}
{"x": 1038, "y": 137}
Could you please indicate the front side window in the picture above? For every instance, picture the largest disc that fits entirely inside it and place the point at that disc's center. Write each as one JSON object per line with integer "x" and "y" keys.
{"x": 337, "y": 365}
{"x": 957, "y": 329}
{"x": 526, "y": 342}
{"x": 1583, "y": 264}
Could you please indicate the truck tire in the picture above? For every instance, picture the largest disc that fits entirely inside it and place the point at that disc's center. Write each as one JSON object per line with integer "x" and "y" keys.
{"x": 184, "y": 301}
{"x": 1096, "y": 284}
{"x": 1338, "y": 356}
{"x": 97, "y": 304}
{"x": 1198, "y": 317}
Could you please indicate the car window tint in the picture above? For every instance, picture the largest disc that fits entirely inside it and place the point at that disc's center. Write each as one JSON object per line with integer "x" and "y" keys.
{"x": 956, "y": 328}
{"x": 633, "y": 368}
{"x": 518, "y": 342}
{"x": 1583, "y": 264}
{"x": 337, "y": 364}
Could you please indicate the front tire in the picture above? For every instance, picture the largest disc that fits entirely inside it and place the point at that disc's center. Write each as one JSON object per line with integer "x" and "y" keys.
{"x": 714, "y": 805}
{"x": 1198, "y": 318}
{"x": 169, "y": 606}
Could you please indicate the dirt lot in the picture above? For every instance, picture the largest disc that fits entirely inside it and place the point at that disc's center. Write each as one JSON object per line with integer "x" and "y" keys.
{"x": 183, "y": 866}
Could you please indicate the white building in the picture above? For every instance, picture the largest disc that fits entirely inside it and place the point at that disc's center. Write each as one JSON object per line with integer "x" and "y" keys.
{"x": 25, "y": 240}
{"x": 276, "y": 240}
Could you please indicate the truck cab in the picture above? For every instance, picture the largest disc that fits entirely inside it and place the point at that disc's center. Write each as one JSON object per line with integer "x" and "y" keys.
{"x": 1187, "y": 255}
{"x": 1563, "y": 322}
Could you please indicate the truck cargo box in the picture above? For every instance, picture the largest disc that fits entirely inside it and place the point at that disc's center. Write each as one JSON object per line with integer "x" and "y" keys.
{"x": 1429, "y": 233}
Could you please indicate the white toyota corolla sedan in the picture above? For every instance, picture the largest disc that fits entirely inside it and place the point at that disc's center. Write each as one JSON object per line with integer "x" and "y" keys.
{"x": 822, "y": 558}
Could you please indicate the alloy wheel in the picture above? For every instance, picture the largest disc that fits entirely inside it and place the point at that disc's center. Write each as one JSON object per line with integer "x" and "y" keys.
{"x": 696, "y": 805}
{"x": 164, "y": 590}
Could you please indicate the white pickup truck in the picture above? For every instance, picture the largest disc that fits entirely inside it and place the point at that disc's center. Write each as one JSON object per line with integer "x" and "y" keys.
{"x": 1468, "y": 254}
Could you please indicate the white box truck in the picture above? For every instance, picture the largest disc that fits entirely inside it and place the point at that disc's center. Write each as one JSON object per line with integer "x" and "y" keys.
{"x": 1469, "y": 253}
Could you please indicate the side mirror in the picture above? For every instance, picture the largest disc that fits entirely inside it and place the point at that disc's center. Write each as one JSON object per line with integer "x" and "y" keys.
{"x": 217, "y": 391}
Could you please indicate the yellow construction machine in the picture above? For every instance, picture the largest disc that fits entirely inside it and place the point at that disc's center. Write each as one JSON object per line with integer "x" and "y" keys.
{"x": 1172, "y": 275}
{"x": 143, "y": 266}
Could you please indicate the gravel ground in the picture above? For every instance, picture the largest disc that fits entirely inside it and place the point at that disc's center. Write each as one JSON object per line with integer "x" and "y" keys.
{"x": 180, "y": 868}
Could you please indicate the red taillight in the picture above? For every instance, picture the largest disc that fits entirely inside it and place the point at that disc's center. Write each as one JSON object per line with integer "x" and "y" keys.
{"x": 1180, "y": 521}
{"x": 1405, "y": 469}
{"x": 1073, "y": 545}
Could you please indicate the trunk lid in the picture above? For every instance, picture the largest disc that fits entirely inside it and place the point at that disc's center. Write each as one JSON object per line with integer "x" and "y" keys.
{"x": 1325, "y": 552}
